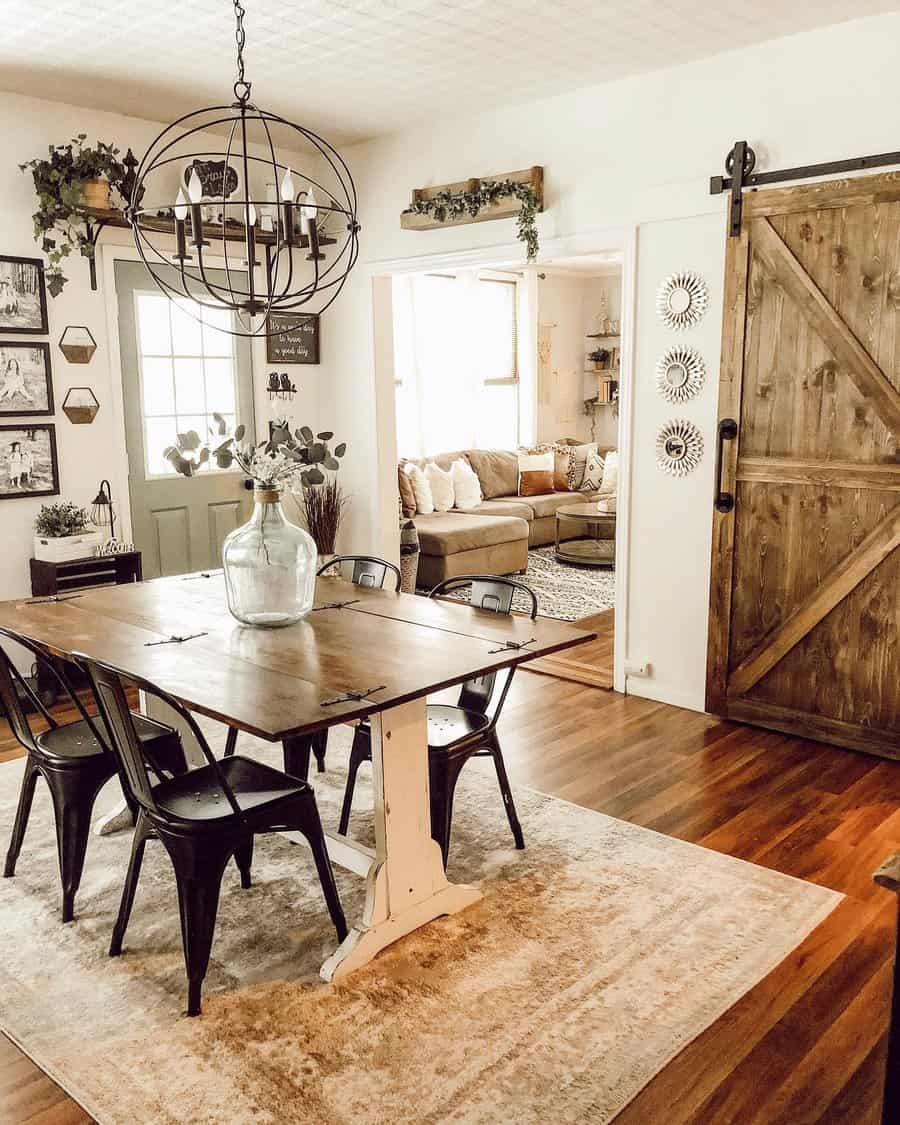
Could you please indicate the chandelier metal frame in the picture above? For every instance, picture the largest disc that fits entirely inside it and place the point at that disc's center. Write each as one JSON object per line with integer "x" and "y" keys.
{"x": 286, "y": 289}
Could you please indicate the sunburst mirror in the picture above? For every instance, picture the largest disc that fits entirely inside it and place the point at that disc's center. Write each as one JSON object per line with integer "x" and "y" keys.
{"x": 680, "y": 372}
{"x": 679, "y": 447}
{"x": 681, "y": 300}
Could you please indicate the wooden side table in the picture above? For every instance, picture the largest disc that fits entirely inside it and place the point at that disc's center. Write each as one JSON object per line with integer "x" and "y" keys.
{"x": 57, "y": 579}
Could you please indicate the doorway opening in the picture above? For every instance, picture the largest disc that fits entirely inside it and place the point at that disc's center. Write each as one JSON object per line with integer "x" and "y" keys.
{"x": 507, "y": 384}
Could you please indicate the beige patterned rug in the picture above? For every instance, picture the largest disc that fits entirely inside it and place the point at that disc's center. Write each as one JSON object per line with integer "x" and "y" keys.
{"x": 595, "y": 956}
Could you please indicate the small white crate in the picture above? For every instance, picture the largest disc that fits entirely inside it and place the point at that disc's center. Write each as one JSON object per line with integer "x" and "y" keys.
{"x": 67, "y": 547}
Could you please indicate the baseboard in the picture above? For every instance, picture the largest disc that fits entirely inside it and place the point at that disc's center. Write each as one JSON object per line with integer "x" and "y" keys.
{"x": 647, "y": 688}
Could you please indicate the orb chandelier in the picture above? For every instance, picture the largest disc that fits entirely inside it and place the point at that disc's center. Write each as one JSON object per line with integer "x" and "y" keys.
{"x": 215, "y": 180}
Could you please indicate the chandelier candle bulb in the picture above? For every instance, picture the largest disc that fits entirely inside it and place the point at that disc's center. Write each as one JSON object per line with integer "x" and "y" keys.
{"x": 181, "y": 210}
{"x": 309, "y": 213}
{"x": 251, "y": 236}
{"x": 287, "y": 197}
{"x": 195, "y": 191}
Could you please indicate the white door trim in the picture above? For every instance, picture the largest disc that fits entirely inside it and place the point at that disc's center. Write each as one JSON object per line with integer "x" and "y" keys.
{"x": 623, "y": 239}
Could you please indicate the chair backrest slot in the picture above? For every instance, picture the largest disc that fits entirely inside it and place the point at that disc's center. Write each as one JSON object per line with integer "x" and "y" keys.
{"x": 368, "y": 571}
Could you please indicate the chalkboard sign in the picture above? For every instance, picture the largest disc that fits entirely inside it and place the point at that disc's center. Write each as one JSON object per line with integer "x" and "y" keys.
{"x": 299, "y": 344}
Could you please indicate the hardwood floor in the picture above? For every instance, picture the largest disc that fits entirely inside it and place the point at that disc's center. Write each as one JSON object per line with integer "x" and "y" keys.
{"x": 807, "y": 1044}
{"x": 590, "y": 664}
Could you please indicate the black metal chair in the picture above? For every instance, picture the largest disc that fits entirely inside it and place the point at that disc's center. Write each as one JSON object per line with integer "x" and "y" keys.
{"x": 457, "y": 733}
{"x": 73, "y": 758}
{"x": 204, "y": 818}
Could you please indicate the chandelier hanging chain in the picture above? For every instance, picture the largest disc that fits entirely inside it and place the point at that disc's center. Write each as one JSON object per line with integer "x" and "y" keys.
{"x": 241, "y": 86}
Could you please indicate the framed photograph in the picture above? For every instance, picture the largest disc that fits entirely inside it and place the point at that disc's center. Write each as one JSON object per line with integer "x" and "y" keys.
{"x": 297, "y": 340}
{"x": 23, "y": 295}
{"x": 28, "y": 464}
{"x": 26, "y": 384}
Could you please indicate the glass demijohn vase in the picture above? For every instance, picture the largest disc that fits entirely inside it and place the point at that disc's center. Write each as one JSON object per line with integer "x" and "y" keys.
{"x": 270, "y": 566}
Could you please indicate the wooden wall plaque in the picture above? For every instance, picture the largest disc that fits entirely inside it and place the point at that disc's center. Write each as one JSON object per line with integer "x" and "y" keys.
{"x": 300, "y": 344}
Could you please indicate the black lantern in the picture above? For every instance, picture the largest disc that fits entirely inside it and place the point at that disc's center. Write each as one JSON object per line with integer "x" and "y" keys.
{"x": 102, "y": 514}
{"x": 232, "y": 179}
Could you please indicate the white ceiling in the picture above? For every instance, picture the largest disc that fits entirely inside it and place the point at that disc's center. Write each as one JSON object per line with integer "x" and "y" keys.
{"x": 358, "y": 68}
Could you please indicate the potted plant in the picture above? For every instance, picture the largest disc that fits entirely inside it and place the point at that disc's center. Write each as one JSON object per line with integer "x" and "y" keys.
{"x": 72, "y": 177}
{"x": 600, "y": 359}
{"x": 61, "y": 533}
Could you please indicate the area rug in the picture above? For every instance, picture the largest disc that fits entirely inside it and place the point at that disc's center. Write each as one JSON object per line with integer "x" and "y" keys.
{"x": 595, "y": 956}
{"x": 564, "y": 591}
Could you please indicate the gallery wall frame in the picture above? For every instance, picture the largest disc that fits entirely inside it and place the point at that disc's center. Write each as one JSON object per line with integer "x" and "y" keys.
{"x": 26, "y": 379}
{"x": 28, "y": 461}
{"x": 23, "y": 296}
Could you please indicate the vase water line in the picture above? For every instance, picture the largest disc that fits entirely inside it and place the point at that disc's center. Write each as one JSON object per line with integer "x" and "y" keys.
{"x": 270, "y": 566}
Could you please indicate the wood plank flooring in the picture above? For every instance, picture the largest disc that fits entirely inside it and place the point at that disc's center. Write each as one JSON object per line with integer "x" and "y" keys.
{"x": 807, "y": 1044}
{"x": 590, "y": 664}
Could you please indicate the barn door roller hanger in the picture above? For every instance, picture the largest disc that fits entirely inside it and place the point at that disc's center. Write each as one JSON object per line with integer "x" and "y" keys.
{"x": 741, "y": 160}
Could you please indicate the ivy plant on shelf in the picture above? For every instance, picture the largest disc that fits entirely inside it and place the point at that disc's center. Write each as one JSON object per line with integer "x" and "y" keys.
{"x": 70, "y": 178}
{"x": 445, "y": 206}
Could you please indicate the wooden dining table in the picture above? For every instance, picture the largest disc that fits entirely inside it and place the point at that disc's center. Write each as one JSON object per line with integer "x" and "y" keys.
{"x": 360, "y": 653}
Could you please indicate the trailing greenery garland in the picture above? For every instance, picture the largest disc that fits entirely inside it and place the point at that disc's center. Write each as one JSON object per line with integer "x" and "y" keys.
{"x": 453, "y": 205}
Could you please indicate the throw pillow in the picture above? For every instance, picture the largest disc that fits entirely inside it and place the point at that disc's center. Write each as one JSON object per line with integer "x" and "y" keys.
{"x": 407, "y": 496}
{"x": 497, "y": 471}
{"x": 441, "y": 484}
{"x": 593, "y": 473}
{"x": 609, "y": 485}
{"x": 466, "y": 486}
{"x": 563, "y": 459}
{"x": 535, "y": 473}
{"x": 580, "y": 454}
{"x": 421, "y": 489}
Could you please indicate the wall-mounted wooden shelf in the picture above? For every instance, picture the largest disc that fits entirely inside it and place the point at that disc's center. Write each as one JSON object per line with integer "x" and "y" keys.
{"x": 505, "y": 208}
{"x": 97, "y": 218}
{"x": 602, "y": 336}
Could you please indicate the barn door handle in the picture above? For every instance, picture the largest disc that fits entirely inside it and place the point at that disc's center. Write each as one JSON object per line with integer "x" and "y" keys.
{"x": 728, "y": 430}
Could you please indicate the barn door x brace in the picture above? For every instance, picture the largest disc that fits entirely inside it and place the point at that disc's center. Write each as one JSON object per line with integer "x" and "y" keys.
{"x": 741, "y": 160}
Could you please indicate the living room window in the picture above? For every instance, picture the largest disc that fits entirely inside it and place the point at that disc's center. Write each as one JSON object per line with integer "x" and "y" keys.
{"x": 455, "y": 362}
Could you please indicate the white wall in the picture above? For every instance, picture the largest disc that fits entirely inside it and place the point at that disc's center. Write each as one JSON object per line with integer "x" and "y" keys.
{"x": 86, "y": 453}
{"x": 639, "y": 151}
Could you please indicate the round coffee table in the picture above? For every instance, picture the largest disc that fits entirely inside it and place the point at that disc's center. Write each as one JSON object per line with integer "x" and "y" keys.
{"x": 598, "y": 545}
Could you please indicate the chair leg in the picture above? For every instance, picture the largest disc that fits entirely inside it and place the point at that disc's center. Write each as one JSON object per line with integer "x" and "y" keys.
{"x": 142, "y": 830}
{"x": 243, "y": 857}
{"x": 503, "y": 781}
{"x": 230, "y": 741}
{"x": 360, "y": 752}
{"x": 26, "y": 796}
{"x": 73, "y": 802}
{"x": 199, "y": 866}
{"x": 319, "y": 746}
{"x": 443, "y": 774}
{"x": 310, "y": 824}
{"x": 296, "y": 755}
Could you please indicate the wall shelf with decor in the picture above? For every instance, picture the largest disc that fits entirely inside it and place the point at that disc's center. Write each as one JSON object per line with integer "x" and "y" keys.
{"x": 97, "y": 218}
{"x": 602, "y": 336}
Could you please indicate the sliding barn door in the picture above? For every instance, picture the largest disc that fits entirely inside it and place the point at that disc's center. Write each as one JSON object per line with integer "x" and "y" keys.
{"x": 805, "y": 594}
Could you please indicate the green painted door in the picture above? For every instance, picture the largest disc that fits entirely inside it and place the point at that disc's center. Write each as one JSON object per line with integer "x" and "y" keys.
{"x": 177, "y": 372}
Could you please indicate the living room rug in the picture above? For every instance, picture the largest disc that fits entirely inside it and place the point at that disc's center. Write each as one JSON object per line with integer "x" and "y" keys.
{"x": 564, "y": 591}
{"x": 595, "y": 956}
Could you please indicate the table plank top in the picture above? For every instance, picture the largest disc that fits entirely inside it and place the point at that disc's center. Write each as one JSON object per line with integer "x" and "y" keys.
{"x": 281, "y": 682}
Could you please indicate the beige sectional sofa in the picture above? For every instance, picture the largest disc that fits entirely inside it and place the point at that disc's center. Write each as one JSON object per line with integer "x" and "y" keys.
{"x": 494, "y": 537}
